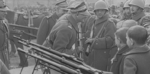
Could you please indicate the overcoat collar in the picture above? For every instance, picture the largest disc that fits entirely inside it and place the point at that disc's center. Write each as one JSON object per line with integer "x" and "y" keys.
{"x": 123, "y": 50}
{"x": 101, "y": 20}
{"x": 73, "y": 22}
{"x": 137, "y": 50}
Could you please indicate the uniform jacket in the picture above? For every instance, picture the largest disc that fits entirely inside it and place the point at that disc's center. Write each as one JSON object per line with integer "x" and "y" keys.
{"x": 86, "y": 29}
{"x": 137, "y": 61}
{"x": 117, "y": 62}
{"x": 4, "y": 33}
{"x": 64, "y": 34}
{"x": 45, "y": 28}
{"x": 103, "y": 49}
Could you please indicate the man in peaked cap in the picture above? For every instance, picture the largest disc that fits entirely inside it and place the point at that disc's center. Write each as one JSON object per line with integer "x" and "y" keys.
{"x": 63, "y": 35}
{"x": 49, "y": 21}
{"x": 4, "y": 33}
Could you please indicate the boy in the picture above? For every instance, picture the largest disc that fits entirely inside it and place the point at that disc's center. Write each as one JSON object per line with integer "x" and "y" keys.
{"x": 137, "y": 60}
{"x": 120, "y": 40}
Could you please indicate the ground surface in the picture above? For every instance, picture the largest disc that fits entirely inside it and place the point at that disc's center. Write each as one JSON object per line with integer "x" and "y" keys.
{"x": 14, "y": 62}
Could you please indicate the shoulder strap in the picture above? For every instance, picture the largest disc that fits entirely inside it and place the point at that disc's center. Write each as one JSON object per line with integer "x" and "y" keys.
{"x": 5, "y": 25}
{"x": 101, "y": 30}
{"x": 99, "y": 33}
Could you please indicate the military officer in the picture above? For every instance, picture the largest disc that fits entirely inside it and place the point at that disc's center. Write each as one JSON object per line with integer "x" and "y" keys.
{"x": 137, "y": 9}
{"x": 64, "y": 34}
{"x": 49, "y": 21}
{"x": 4, "y": 33}
{"x": 102, "y": 38}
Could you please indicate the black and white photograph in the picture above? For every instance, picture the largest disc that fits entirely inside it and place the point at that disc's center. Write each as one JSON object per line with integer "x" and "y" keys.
{"x": 74, "y": 36}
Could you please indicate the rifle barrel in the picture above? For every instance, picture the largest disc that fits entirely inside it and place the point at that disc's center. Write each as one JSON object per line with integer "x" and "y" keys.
{"x": 62, "y": 67}
{"x": 60, "y": 56}
{"x": 20, "y": 26}
{"x": 31, "y": 35}
{"x": 62, "y": 60}
{"x": 72, "y": 58}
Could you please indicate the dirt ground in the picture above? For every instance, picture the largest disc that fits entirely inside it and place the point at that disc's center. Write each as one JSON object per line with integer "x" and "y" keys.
{"x": 14, "y": 62}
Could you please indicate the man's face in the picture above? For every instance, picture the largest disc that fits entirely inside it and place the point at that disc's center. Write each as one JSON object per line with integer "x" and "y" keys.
{"x": 148, "y": 27}
{"x": 100, "y": 13}
{"x": 81, "y": 16}
{"x": 62, "y": 11}
{"x": 129, "y": 41}
{"x": 133, "y": 9}
{"x": 126, "y": 10}
{"x": 2, "y": 14}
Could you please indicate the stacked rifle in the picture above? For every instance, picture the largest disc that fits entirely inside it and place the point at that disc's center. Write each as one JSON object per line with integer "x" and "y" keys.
{"x": 15, "y": 26}
{"x": 61, "y": 62}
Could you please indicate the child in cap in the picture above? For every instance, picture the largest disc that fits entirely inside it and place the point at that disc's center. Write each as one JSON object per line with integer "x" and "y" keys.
{"x": 117, "y": 61}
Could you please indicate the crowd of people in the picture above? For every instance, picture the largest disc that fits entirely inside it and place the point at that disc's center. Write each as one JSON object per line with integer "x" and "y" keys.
{"x": 115, "y": 45}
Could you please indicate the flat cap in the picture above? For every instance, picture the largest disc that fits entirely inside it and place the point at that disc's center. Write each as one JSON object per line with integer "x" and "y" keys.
{"x": 61, "y": 3}
{"x": 77, "y": 6}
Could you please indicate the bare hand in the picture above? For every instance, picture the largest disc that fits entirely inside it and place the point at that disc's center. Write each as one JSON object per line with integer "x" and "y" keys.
{"x": 89, "y": 41}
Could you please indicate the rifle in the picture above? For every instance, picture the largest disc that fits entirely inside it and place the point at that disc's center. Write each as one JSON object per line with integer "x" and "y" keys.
{"x": 63, "y": 69}
{"x": 89, "y": 47}
{"x": 31, "y": 35}
{"x": 80, "y": 40}
{"x": 20, "y": 26}
{"x": 68, "y": 60}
